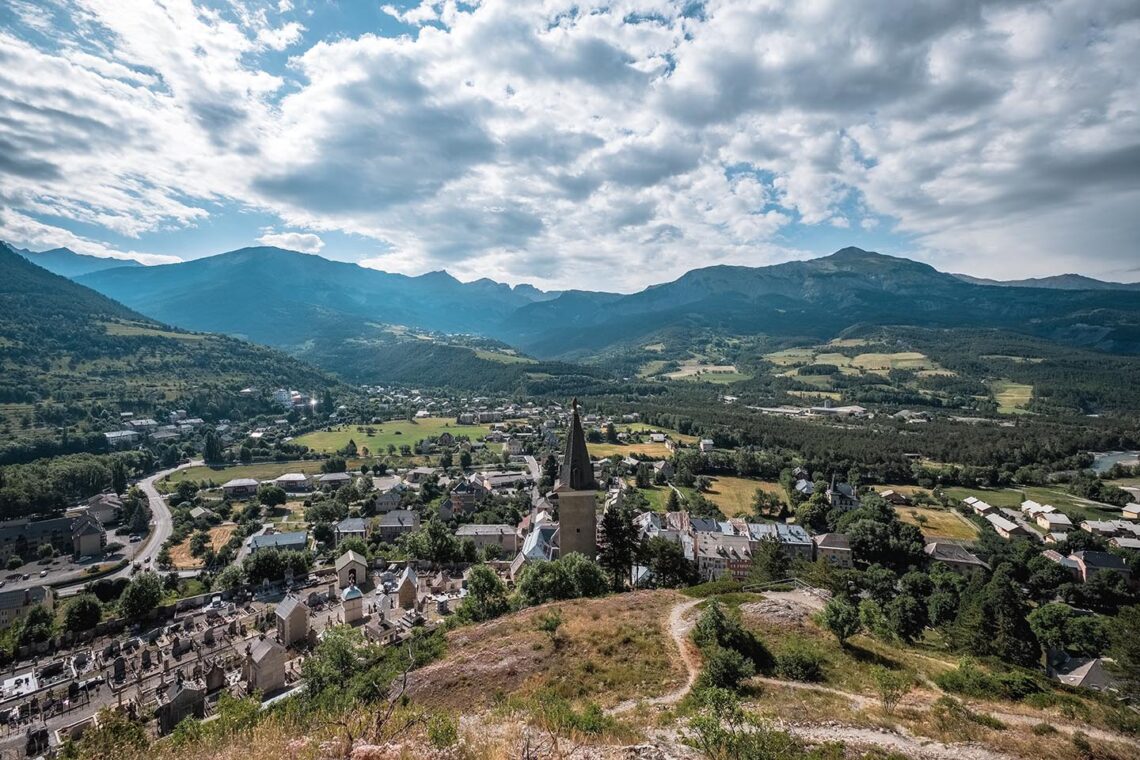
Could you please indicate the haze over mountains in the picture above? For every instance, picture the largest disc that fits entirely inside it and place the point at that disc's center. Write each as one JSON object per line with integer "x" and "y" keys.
{"x": 66, "y": 262}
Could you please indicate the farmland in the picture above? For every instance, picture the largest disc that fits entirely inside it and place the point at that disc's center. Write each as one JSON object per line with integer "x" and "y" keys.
{"x": 257, "y": 471}
{"x": 1012, "y": 398}
{"x": 396, "y": 433}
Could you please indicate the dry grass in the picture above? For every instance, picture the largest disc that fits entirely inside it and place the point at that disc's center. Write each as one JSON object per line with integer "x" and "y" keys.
{"x": 180, "y": 555}
{"x": 938, "y": 523}
{"x": 734, "y": 495}
{"x": 613, "y": 649}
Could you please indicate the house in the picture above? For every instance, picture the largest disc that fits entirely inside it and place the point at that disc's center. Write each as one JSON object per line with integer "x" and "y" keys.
{"x": 408, "y": 589}
{"x": 834, "y": 548}
{"x": 513, "y": 447}
{"x": 331, "y": 481}
{"x": 706, "y": 445}
{"x": 351, "y": 527}
{"x": 805, "y": 487}
{"x": 418, "y": 475}
{"x": 105, "y": 507}
{"x": 292, "y": 621}
{"x": 540, "y": 545}
{"x": 351, "y": 570}
{"x": 296, "y": 541}
{"x": 720, "y": 556}
{"x": 1003, "y": 527}
{"x": 955, "y": 557}
{"x": 796, "y": 542}
{"x": 980, "y": 507}
{"x": 663, "y": 470}
{"x": 1122, "y": 542}
{"x": 1091, "y": 563}
{"x": 17, "y": 603}
{"x": 1068, "y": 564}
{"x": 264, "y": 667}
{"x": 1100, "y": 527}
{"x": 841, "y": 495}
{"x": 396, "y": 523}
{"x": 1032, "y": 508}
{"x": 386, "y": 501}
{"x": 23, "y": 537}
{"x": 201, "y": 513}
{"x": 121, "y": 439}
{"x": 293, "y": 482}
{"x": 892, "y": 496}
{"x": 502, "y": 536}
{"x": 464, "y": 497}
{"x": 1084, "y": 672}
{"x": 1131, "y": 511}
{"x": 88, "y": 537}
{"x": 240, "y": 488}
{"x": 445, "y": 439}
{"x": 1054, "y": 522}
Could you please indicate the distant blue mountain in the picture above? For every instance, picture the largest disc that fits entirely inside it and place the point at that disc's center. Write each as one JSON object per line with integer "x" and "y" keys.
{"x": 68, "y": 263}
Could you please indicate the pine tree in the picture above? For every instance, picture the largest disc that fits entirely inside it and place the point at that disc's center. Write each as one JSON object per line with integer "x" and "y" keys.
{"x": 619, "y": 543}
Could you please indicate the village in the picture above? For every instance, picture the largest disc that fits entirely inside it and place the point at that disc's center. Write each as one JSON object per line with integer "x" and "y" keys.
{"x": 508, "y": 485}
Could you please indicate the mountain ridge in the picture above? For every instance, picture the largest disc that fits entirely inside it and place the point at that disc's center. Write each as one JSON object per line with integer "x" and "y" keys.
{"x": 68, "y": 263}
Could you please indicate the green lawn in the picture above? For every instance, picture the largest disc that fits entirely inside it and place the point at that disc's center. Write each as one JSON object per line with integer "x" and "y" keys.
{"x": 503, "y": 357}
{"x": 1004, "y": 497}
{"x": 395, "y": 433}
{"x": 1072, "y": 506}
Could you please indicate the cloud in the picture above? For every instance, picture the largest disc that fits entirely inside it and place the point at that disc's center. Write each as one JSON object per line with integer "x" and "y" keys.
{"x": 305, "y": 242}
{"x": 593, "y": 145}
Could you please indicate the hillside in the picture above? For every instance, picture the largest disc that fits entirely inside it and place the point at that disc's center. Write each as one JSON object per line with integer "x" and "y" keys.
{"x": 66, "y": 262}
{"x": 619, "y": 679}
{"x": 71, "y": 356}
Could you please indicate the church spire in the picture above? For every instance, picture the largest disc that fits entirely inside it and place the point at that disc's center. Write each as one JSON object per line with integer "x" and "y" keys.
{"x": 577, "y": 472}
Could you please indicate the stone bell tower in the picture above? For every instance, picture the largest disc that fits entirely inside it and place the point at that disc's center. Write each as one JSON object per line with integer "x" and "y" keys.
{"x": 577, "y": 507}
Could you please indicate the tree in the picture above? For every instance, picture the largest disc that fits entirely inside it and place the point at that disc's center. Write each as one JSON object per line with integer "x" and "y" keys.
{"x": 568, "y": 577}
{"x": 841, "y": 618}
{"x": 769, "y": 561}
{"x": 141, "y": 596}
{"x": 272, "y": 565}
{"x": 1001, "y": 629}
{"x": 82, "y": 613}
{"x": 907, "y": 617}
{"x": 118, "y": 476}
{"x": 465, "y": 459}
{"x": 1050, "y": 623}
{"x": 619, "y": 543}
{"x": 433, "y": 542}
{"x": 229, "y": 579}
{"x": 673, "y": 502}
{"x": 46, "y": 551}
{"x": 765, "y": 504}
{"x": 245, "y": 455}
{"x": 112, "y": 735}
{"x": 199, "y": 542}
{"x": 212, "y": 450}
{"x": 270, "y": 495}
{"x": 1123, "y": 632}
{"x": 38, "y": 625}
{"x": 667, "y": 563}
{"x": 726, "y": 669}
{"x": 486, "y": 595}
{"x": 892, "y": 687}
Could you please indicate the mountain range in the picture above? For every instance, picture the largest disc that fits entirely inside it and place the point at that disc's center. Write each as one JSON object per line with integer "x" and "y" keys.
{"x": 66, "y": 262}
{"x": 340, "y": 316}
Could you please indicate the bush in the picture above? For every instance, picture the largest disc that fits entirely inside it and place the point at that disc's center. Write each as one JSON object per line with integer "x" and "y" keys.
{"x": 969, "y": 679}
{"x": 726, "y": 669}
{"x": 443, "y": 731}
{"x": 713, "y": 588}
{"x": 800, "y": 663}
{"x": 1044, "y": 729}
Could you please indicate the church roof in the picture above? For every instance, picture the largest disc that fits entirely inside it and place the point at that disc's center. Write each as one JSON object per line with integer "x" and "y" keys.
{"x": 577, "y": 472}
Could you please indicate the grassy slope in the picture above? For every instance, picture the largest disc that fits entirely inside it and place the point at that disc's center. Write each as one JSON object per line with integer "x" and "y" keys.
{"x": 388, "y": 433}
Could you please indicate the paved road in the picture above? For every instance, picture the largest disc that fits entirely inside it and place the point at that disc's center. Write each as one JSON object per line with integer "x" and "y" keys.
{"x": 160, "y": 531}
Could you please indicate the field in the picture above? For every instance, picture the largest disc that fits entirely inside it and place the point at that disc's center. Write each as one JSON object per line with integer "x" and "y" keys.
{"x": 938, "y": 523}
{"x": 642, "y": 427}
{"x": 394, "y": 433}
{"x": 654, "y": 450}
{"x": 1076, "y": 508}
{"x": 1012, "y": 398}
{"x": 657, "y": 496}
{"x": 878, "y": 363}
{"x": 651, "y": 368}
{"x": 1004, "y": 497}
{"x": 132, "y": 330}
{"x": 259, "y": 471}
{"x": 503, "y": 357}
{"x": 692, "y": 369}
{"x": 180, "y": 554}
{"x": 734, "y": 495}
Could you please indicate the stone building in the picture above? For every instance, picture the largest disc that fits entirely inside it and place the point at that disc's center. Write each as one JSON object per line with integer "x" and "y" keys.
{"x": 577, "y": 507}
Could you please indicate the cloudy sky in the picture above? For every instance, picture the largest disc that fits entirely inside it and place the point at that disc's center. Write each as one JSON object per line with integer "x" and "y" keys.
{"x": 568, "y": 144}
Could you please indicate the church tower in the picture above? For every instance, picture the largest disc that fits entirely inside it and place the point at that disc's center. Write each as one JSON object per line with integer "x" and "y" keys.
{"x": 577, "y": 509}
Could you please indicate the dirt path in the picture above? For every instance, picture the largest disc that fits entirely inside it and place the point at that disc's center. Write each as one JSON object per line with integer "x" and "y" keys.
{"x": 904, "y": 743}
{"x": 679, "y": 627}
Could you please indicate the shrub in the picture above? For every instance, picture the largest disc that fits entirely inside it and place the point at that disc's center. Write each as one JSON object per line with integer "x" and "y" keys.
{"x": 800, "y": 663}
{"x": 1044, "y": 729}
{"x": 443, "y": 731}
{"x": 969, "y": 679}
{"x": 726, "y": 669}
{"x": 713, "y": 588}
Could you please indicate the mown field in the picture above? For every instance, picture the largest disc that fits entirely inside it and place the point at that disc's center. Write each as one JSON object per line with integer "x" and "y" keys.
{"x": 395, "y": 433}
{"x": 938, "y": 523}
{"x": 257, "y": 471}
{"x": 1012, "y": 398}
{"x": 734, "y": 495}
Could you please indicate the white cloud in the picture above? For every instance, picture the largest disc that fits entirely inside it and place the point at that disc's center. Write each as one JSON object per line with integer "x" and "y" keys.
{"x": 305, "y": 242}
{"x": 597, "y": 146}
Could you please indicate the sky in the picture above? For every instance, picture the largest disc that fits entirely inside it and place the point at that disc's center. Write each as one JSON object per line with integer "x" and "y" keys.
{"x": 568, "y": 144}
